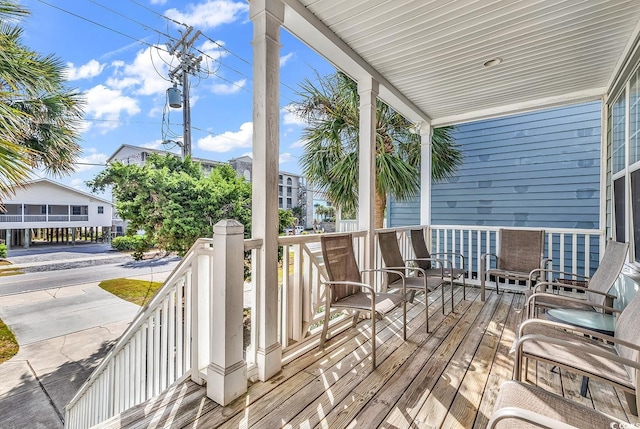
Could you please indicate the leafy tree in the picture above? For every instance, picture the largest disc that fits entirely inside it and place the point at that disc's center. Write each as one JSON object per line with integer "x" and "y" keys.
{"x": 173, "y": 202}
{"x": 285, "y": 219}
{"x": 330, "y": 157}
{"x": 40, "y": 117}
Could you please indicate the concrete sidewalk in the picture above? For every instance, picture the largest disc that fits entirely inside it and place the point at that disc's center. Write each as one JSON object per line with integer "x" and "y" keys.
{"x": 63, "y": 334}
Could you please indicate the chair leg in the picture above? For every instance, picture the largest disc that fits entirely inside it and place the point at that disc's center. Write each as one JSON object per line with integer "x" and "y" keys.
{"x": 442, "y": 294}
{"x": 426, "y": 307}
{"x": 451, "y": 283}
{"x": 356, "y": 316}
{"x": 325, "y": 327}
{"x": 373, "y": 337}
{"x": 464, "y": 288}
{"x": 412, "y": 294}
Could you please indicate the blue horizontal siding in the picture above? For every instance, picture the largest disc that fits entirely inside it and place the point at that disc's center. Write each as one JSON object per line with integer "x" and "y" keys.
{"x": 537, "y": 169}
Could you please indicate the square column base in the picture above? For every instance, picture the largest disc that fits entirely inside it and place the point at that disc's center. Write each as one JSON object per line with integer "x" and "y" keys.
{"x": 226, "y": 384}
{"x": 269, "y": 361}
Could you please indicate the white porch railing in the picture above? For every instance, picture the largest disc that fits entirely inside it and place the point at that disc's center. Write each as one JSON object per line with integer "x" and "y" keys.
{"x": 159, "y": 347}
{"x": 169, "y": 340}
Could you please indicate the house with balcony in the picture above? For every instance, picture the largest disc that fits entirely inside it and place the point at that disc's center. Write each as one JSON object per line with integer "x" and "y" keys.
{"x": 182, "y": 363}
{"x": 53, "y": 212}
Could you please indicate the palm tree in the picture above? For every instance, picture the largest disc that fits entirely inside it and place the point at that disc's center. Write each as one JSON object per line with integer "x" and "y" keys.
{"x": 330, "y": 157}
{"x": 39, "y": 117}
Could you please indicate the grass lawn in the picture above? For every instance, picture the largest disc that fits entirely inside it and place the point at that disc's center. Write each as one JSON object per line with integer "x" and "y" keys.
{"x": 8, "y": 343}
{"x": 136, "y": 291}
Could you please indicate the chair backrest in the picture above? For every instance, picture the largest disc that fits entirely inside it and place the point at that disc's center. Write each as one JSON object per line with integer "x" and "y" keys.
{"x": 340, "y": 263}
{"x": 627, "y": 330}
{"x": 390, "y": 250}
{"x": 520, "y": 250}
{"x": 615, "y": 255}
{"x": 420, "y": 248}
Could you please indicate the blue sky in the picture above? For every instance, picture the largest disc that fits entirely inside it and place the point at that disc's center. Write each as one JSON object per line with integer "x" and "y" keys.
{"x": 116, "y": 53}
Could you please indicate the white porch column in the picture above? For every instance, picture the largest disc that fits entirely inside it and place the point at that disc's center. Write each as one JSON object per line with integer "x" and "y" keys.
{"x": 267, "y": 17}
{"x": 368, "y": 91}
{"x": 227, "y": 372}
{"x": 8, "y": 239}
{"x": 426, "y": 133}
{"x": 27, "y": 238}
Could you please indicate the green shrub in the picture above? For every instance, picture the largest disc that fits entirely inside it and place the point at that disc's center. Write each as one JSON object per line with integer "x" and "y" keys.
{"x": 3, "y": 250}
{"x": 129, "y": 242}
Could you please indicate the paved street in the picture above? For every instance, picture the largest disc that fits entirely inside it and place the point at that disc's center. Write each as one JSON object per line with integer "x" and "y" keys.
{"x": 63, "y": 331}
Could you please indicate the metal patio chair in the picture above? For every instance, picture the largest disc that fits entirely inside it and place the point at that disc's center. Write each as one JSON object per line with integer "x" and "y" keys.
{"x": 612, "y": 359}
{"x": 519, "y": 252}
{"x": 525, "y": 406}
{"x": 346, "y": 290}
{"x": 423, "y": 260}
{"x": 596, "y": 288}
{"x": 419, "y": 281}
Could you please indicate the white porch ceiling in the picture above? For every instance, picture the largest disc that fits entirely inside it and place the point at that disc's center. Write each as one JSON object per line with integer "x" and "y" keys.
{"x": 429, "y": 55}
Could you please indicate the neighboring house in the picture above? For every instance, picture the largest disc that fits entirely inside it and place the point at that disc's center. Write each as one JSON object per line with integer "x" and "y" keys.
{"x": 537, "y": 169}
{"x": 291, "y": 192}
{"x": 53, "y": 212}
{"x": 129, "y": 154}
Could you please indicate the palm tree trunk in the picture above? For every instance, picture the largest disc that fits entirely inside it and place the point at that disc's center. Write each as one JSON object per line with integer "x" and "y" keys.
{"x": 380, "y": 205}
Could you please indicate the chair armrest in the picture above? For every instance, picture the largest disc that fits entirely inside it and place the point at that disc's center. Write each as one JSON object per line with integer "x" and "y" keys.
{"x": 585, "y": 331}
{"x": 531, "y": 302}
{"x": 586, "y": 289}
{"x": 440, "y": 262}
{"x": 546, "y": 271}
{"x": 580, "y": 348}
{"x": 458, "y": 255}
{"x": 527, "y": 416}
{"x": 348, "y": 283}
{"x": 395, "y": 270}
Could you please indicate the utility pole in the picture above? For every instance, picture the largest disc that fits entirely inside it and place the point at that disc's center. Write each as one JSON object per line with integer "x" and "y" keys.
{"x": 189, "y": 63}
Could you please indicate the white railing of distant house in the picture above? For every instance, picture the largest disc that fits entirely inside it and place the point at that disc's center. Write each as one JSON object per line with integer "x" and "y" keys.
{"x": 160, "y": 346}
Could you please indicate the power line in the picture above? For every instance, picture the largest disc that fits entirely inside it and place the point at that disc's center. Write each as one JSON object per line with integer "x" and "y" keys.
{"x": 101, "y": 25}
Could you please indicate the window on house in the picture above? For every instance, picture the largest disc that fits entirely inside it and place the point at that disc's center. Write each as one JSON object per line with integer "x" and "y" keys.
{"x": 289, "y": 181}
{"x": 618, "y": 118}
{"x": 43, "y": 209}
{"x": 634, "y": 118}
{"x": 289, "y": 203}
{"x": 280, "y": 203}
{"x": 280, "y": 179}
{"x": 289, "y": 191}
{"x": 75, "y": 210}
{"x": 100, "y": 210}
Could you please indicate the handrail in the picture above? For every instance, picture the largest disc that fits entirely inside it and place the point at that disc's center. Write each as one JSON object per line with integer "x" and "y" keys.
{"x": 165, "y": 325}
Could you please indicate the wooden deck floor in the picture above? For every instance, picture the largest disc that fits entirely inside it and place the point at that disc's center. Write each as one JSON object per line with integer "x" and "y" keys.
{"x": 447, "y": 378}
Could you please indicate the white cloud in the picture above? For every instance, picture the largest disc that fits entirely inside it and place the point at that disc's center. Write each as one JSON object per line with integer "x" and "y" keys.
{"x": 291, "y": 118}
{"x": 91, "y": 69}
{"x": 109, "y": 104}
{"x": 158, "y": 1}
{"x": 228, "y": 88}
{"x": 299, "y": 143}
{"x": 285, "y": 58}
{"x": 285, "y": 157}
{"x": 228, "y": 140}
{"x": 146, "y": 75}
{"x": 85, "y": 162}
{"x": 209, "y": 14}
